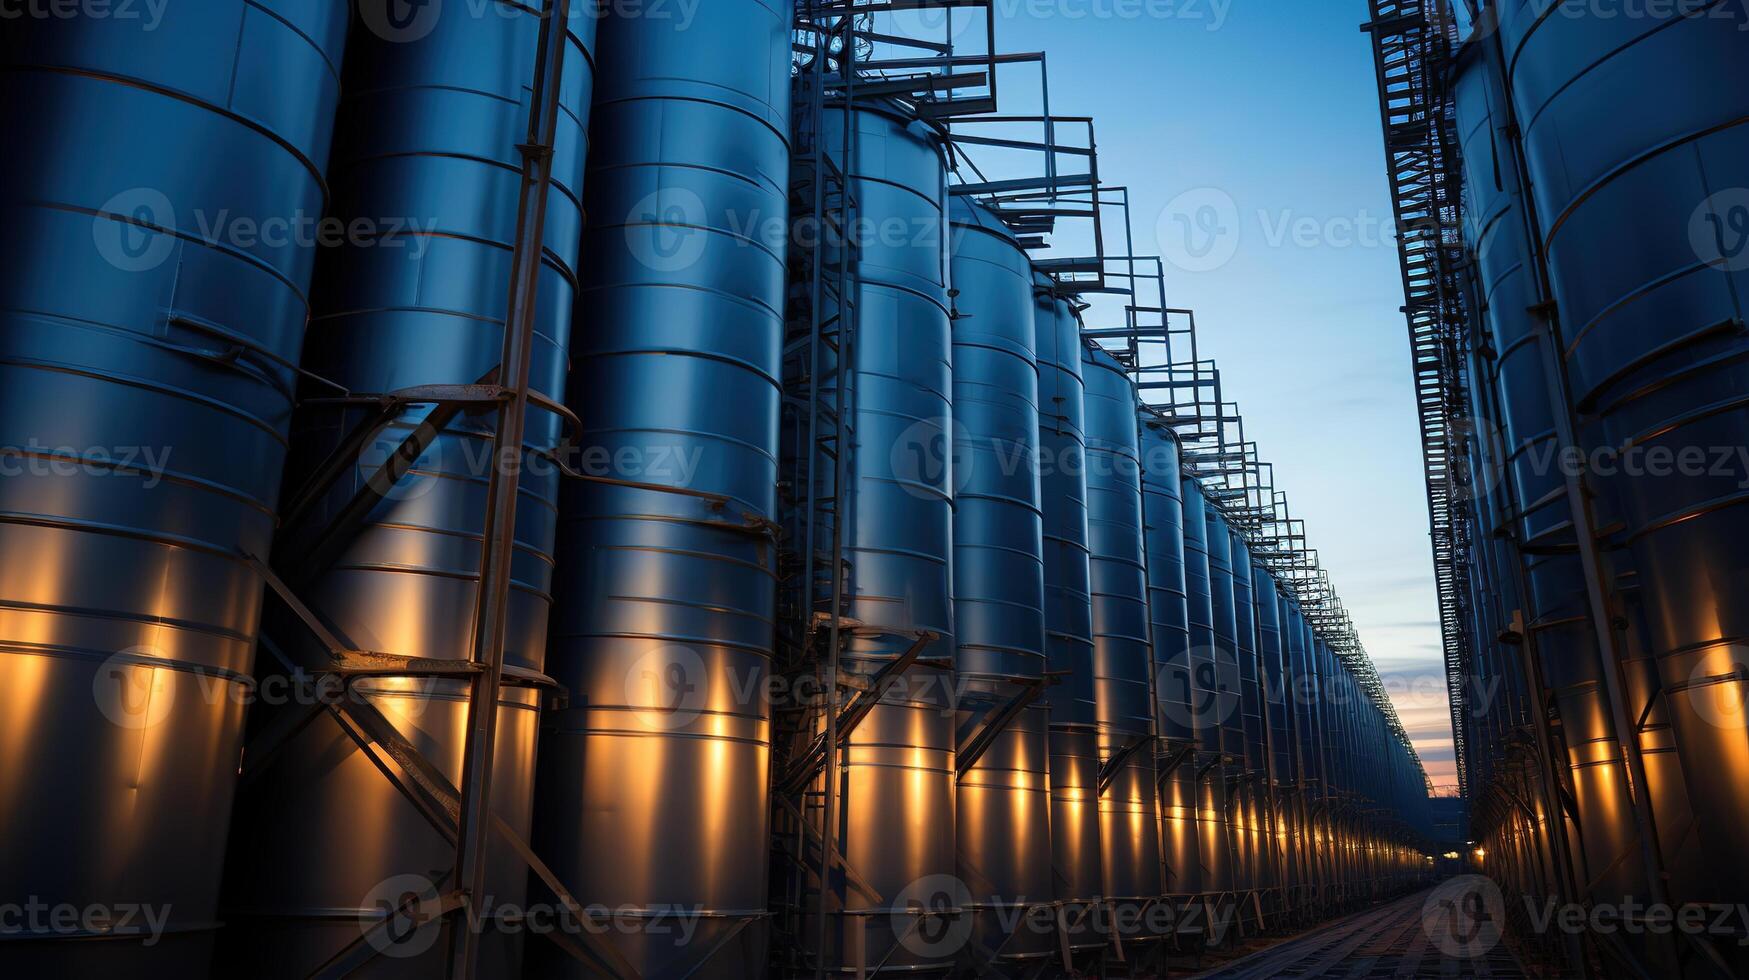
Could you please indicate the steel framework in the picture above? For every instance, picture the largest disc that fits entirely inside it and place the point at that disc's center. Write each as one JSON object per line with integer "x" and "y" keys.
{"x": 1413, "y": 42}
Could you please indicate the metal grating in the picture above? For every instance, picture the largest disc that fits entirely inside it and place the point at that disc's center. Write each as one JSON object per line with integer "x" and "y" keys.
{"x": 1413, "y": 42}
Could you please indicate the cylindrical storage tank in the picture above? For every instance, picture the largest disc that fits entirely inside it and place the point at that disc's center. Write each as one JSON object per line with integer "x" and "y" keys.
{"x": 1226, "y": 638}
{"x": 1273, "y": 628}
{"x": 1231, "y": 717}
{"x": 1276, "y": 772}
{"x": 148, "y": 337}
{"x": 1123, "y": 661}
{"x": 653, "y": 781}
{"x": 1174, "y": 693}
{"x": 1248, "y": 807}
{"x": 1211, "y": 707}
{"x": 428, "y": 135}
{"x": 1074, "y": 714}
{"x": 1643, "y": 215}
{"x": 1003, "y": 802}
{"x": 1291, "y": 753}
{"x": 895, "y": 786}
{"x": 1250, "y": 684}
{"x": 1559, "y": 620}
{"x": 1317, "y": 772}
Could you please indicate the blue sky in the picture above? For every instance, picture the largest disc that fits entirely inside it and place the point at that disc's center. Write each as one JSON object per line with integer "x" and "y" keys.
{"x": 1265, "y": 112}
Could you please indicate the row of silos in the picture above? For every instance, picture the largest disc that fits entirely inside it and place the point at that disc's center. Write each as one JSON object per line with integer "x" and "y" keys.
{"x": 1015, "y": 511}
{"x": 1608, "y": 222}
{"x": 1054, "y": 563}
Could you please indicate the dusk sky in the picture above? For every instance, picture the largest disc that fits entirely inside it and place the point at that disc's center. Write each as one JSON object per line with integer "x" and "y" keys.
{"x": 1256, "y": 122}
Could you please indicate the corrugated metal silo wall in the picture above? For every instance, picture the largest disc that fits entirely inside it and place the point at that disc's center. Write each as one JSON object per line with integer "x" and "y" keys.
{"x": 1074, "y": 715}
{"x": 1003, "y": 802}
{"x": 1211, "y": 707}
{"x": 427, "y": 137}
{"x": 147, "y": 337}
{"x": 897, "y": 773}
{"x": 1638, "y": 155}
{"x": 1558, "y": 620}
{"x": 1174, "y": 693}
{"x": 1308, "y": 705}
{"x": 1123, "y": 659}
{"x": 1248, "y": 804}
{"x": 1275, "y": 770}
{"x": 1229, "y": 707}
{"x": 1287, "y": 747}
{"x": 653, "y": 782}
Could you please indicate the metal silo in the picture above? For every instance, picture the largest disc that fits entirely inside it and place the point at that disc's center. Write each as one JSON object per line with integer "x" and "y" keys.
{"x": 1231, "y": 716}
{"x": 1003, "y": 804}
{"x": 1308, "y": 706}
{"x": 147, "y": 351}
{"x": 1558, "y": 621}
{"x": 1074, "y": 714}
{"x": 1248, "y": 804}
{"x": 895, "y": 773}
{"x": 653, "y": 780}
{"x": 1174, "y": 691}
{"x": 425, "y": 153}
{"x": 1275, "y": 770}
{"x": 1643, "y": 218}
{"x": 1291, "y": 753}
{"x": 1212, "y": 709}
{"x": 1123, "y": 661}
